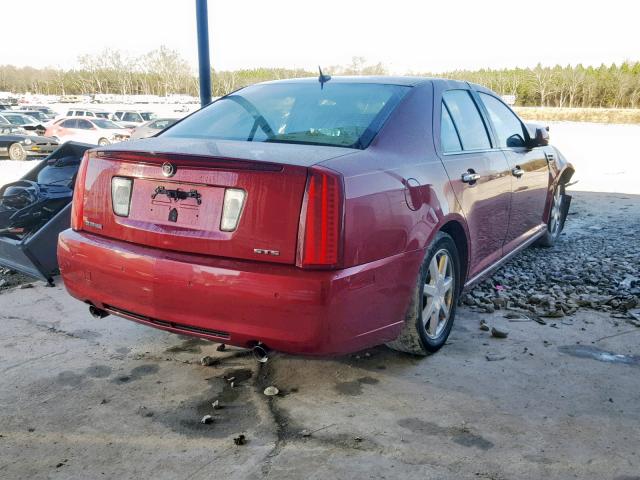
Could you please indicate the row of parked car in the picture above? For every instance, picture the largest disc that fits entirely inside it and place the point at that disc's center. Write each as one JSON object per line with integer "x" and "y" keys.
{"x": 37, "y": 131}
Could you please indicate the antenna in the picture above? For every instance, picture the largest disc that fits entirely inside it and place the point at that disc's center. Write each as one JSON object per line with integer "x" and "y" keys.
{"x": 322, "y": 78}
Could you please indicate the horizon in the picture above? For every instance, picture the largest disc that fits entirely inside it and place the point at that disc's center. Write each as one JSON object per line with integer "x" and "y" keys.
{"x": 402, "y": 39}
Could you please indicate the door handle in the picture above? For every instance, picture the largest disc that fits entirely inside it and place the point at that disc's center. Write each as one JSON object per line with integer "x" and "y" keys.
{"x": 470, "y": 177}
{"x": 517, "y": 172}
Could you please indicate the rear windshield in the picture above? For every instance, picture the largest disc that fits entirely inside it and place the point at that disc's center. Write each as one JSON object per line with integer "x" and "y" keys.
{"x": 339, "y": 114}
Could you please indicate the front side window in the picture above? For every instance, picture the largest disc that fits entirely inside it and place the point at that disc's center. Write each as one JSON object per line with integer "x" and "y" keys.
{"x": 69, "y": 123}
{"x": 146, "y": 116}
{"x": 85, "y": 124}
{"x": 509, "y": 129}
{"x": 467, "y": 119}
{"x": 339, "y": 114}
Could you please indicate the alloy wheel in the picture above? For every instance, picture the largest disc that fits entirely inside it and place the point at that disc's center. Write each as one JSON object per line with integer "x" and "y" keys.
{"x": 437, "y": 298}
{"x": 555, "y": 219}
{"x": 17, "y": 152}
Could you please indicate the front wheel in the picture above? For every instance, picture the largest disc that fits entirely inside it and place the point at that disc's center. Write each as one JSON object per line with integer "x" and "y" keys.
{"x": 103, "y": 142}
{"x": 556, "y": 219}
{"x": 17, "y": 152}
{"x": 433, "y": 304}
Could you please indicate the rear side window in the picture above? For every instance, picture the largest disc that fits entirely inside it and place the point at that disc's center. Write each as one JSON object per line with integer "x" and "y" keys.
{"x": 448, "y": 135}
{"x": 509, "y": 129}
{"x": 85, "y": 124}
{"x": 467, "y": 119}
{"x": 69, "y": 123}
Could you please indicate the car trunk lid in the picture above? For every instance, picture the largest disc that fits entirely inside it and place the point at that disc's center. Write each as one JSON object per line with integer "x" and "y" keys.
{"x": 177, "y": 199}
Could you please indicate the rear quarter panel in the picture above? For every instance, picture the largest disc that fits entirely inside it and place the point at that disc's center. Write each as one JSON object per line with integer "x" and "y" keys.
{"x": 397, "y": 191}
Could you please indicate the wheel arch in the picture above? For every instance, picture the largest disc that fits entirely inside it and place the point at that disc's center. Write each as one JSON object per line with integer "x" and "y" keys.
{"x": 455, "y": 229}
{"x": 565, "y": 175}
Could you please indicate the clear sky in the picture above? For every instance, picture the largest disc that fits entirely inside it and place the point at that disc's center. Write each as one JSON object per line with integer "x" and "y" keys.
{"x": 406, "y": 36}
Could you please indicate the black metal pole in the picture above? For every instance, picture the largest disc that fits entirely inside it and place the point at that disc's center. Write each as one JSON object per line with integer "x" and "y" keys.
{"x": 202, "y": 21}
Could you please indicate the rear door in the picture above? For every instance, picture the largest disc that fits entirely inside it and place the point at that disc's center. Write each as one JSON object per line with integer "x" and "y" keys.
{"x": 529, "y": 169}
{"x": 479, "y": 175}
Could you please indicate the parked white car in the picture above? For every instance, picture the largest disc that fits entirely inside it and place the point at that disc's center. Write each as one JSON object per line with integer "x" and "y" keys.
{"x": 132, "y": 118}
{"x": 97, "y": 131}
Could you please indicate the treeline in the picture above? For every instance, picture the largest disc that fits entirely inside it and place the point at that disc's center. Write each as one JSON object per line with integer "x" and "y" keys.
{"x": 163, "y": 71}
{"x": 159, "y": 72}
{"x": 614, "y": 86}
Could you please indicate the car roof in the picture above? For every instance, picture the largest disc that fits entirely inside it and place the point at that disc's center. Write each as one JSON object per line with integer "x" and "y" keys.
{"x": 409, "y": 81}
{"x": 378, "y": 79}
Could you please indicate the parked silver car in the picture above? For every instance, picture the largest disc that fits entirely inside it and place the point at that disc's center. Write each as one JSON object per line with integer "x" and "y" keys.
{"x": 149, "y": 129}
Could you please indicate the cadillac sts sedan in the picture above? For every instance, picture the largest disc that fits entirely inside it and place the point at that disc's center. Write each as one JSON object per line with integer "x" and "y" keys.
{"x": 314, "y": 217}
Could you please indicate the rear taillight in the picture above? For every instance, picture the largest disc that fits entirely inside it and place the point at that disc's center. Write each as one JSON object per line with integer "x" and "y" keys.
{"x": 77, "y": 207}
{"x": 121, "y": 195}
{"x": 320, "y": 244}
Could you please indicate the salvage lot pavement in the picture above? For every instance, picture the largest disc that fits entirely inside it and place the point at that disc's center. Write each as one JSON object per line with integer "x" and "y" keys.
{"x": 83, "y": 398}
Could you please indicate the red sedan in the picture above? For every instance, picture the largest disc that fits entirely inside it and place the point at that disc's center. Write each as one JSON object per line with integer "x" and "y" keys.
{"x": 314, "y": 217}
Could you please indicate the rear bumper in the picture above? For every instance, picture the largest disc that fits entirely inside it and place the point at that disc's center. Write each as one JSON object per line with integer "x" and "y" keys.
{"x": 242, "y": 302}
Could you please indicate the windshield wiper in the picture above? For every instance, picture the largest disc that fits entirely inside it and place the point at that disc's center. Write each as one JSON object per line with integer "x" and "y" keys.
{"x": 258, "y": 119}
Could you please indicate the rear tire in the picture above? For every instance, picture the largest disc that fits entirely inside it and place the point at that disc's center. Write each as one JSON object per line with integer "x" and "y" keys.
{"x": 556, "y": 219}
{"x": 432, "y": 308}
{"x": 17, "y": 152}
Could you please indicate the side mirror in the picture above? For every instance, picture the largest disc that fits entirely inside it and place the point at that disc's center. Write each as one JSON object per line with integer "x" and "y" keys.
{"x": 538, "y": 135}
{"x": 542, "y": 136}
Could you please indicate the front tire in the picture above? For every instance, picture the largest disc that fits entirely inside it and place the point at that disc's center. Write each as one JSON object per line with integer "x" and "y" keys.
{"x": 432, "y": 308}
{"x": 17, "y": 152}
{"x": 103, "y": 142}
{"x": 556, "y": 219}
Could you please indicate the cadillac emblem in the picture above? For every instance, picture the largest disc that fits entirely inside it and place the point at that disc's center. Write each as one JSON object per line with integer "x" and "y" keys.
{"x": 168, "y": 169}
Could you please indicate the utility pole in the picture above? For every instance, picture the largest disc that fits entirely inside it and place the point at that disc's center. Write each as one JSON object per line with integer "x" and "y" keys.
{"x": 204, "y": 63}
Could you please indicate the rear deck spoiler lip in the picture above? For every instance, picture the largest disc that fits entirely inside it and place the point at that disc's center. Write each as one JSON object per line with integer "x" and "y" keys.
{"x": 188, "y": 160}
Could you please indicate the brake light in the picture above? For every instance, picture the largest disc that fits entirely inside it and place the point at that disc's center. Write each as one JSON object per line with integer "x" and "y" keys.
{"x": 321, "y": 220}
{"x": 77, "y": 205}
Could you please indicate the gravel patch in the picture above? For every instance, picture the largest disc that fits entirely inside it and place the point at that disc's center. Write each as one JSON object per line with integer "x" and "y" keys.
{"x": 10, "y": 278}
{"x": 595, "y": 265}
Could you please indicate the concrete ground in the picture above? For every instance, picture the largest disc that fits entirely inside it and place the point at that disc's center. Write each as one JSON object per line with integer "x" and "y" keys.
{"x": 83, "y": 398}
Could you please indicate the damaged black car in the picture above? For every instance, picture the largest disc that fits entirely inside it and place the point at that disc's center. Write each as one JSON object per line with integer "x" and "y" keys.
{"x": 35, "y": 209}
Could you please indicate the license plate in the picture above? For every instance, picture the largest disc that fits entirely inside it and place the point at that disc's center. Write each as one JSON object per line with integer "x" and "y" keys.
{"x": 196, "y": 207}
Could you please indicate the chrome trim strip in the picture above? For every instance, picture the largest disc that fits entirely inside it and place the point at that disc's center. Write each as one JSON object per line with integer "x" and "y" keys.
{"x": 505, "y": 259}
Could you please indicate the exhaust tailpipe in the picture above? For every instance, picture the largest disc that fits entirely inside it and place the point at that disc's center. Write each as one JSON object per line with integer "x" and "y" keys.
{"x": 97, "y": 312}
{"x": 261, "y": 353}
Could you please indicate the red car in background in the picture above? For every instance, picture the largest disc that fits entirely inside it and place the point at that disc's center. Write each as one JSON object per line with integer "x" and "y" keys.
{"x": 314, "y": 218}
